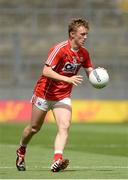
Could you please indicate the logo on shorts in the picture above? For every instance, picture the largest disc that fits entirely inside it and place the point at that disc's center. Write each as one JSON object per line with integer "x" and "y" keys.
{"x": 39, "y": 103}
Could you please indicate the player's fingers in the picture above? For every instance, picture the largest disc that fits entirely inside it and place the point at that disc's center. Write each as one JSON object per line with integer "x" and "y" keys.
{"x": 77, "y": 81}
{"x": 75, "y": 84}
{"x": 101, "y": 68}
{"x": 79, "y": 76}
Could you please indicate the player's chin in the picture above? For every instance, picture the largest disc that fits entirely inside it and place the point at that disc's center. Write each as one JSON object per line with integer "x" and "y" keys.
{"x": 82, "y": 43}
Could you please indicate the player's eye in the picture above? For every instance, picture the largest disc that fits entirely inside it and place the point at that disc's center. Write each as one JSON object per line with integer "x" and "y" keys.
{"x": 83, "y": 34}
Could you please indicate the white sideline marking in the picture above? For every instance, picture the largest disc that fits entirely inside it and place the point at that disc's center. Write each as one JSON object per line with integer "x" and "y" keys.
{"x": 84, "y": 145}
{"x": 72, "y": 167}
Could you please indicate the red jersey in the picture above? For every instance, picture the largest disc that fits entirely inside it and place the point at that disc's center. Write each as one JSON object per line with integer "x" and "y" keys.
{"x": 65, "y": 61}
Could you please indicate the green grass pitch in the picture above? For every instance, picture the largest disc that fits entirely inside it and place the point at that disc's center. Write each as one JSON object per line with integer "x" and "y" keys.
{"x": 96, "y": 151}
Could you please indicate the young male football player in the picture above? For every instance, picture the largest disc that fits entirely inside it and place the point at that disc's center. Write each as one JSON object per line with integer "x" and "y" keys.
{"x": 53, "y": 91}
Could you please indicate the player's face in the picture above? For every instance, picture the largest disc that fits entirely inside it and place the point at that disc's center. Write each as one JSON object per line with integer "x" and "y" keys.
{"x": 80, "y": 36}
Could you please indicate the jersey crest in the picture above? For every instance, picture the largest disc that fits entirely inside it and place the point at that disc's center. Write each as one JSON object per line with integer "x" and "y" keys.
{"x": 70, "y": 67}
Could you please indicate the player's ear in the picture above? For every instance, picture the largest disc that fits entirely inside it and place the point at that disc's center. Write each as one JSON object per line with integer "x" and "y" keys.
{"x": 72, "y": 34}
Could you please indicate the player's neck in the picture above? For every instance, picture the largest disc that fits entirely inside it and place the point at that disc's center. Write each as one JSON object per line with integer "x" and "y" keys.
{"x": 74, "y": 46}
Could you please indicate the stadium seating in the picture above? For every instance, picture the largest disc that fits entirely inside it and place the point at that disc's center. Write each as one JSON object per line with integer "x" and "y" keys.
{"x": 29, "y": 28}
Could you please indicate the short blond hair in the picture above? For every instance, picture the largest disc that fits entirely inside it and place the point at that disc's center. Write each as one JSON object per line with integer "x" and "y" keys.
{"x": 77, "y": 22}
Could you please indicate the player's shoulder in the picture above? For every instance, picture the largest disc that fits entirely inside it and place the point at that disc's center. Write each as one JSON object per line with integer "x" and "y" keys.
{"x": 60, "y": 45}
{"x": 84, "y": 50}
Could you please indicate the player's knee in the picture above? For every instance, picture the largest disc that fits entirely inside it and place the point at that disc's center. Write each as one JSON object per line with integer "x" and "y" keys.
{"x": 65, "y": 126}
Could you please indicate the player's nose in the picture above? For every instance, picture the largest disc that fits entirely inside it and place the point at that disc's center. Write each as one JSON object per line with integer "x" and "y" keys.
{"x": 85, "y": 36}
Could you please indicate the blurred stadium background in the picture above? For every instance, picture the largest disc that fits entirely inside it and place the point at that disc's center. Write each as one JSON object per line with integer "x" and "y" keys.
{"x": 28, "y": 28}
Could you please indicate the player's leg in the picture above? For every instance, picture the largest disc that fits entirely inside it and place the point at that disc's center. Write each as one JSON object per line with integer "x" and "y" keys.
{"x": 37, "y": 119}
{"x": 63, "y": 120}
{"x": 62, "y": 114}
{"x": 34, "y": 126}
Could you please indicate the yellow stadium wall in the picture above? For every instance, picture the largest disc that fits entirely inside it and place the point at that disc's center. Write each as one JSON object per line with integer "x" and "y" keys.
{"x": 108, "y": 111}
{"x": 98, "y": 111}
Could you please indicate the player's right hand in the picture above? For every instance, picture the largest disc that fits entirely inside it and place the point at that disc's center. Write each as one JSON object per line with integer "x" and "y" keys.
{"x": 76, "y": 79}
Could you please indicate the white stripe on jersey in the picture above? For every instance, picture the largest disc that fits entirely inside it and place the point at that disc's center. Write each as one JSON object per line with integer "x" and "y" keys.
{"x": 55, "y": 51}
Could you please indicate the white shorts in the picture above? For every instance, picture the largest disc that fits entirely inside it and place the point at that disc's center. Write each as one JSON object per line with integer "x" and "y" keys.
{"x": 46, "y": 105}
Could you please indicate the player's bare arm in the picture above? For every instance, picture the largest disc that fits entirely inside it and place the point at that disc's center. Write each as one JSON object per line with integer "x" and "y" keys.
{"x": 88, "y": 70}
{"x": 48, "y": 72}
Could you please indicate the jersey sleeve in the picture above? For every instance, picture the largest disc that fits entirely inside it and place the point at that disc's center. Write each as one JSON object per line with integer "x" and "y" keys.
{"x": 54, "y": 56}
{"x": 87, "y": 60}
